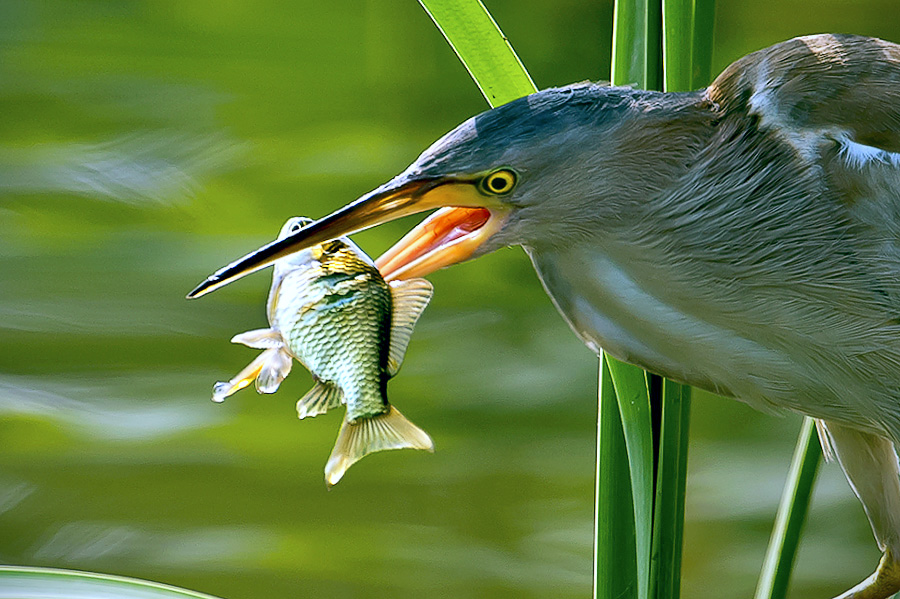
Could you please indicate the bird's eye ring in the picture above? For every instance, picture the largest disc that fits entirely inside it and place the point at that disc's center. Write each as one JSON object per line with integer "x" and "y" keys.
{"x": 499, "y": 182}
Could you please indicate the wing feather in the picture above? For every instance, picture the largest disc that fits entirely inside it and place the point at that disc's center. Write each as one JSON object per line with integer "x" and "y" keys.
{"x": 843, "y": 88}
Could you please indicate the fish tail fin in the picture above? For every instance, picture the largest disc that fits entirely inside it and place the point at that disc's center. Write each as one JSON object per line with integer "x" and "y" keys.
{"x": 318, "y": 400}
{"x": 391, "y": 430}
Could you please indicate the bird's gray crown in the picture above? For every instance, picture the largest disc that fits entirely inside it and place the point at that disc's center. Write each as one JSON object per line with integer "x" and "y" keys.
{"x": 519, "y": 134}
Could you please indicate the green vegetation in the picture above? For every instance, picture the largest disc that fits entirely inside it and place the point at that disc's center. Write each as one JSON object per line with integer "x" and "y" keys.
{"x": 792, "y": 511}
{"x": 146, "y": 144}
{"x": 47, "y": 583}
{"x": 651, "y": 502}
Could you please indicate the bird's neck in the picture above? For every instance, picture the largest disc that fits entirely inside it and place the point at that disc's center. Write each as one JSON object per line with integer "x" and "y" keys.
{"x": 653, "y": 147}
{"x": 610, "y": 310}
{"x": 639, "y": 277}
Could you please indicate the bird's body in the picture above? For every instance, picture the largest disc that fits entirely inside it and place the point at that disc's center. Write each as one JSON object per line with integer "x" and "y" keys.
{"x": 744, "y": 238}
{"x": 767, "y": 284}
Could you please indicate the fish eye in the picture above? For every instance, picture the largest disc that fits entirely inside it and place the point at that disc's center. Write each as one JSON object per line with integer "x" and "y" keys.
{"x": 299, "y": 223}
{"x": 499, "y": 182}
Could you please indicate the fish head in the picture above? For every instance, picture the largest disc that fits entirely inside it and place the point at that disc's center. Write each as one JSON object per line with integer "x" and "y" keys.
{"x": 291, "y": 227}
{"x": 316, "y": 253}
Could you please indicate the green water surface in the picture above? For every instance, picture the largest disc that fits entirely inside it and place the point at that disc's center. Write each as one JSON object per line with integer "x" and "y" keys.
{"x": 145, "y": 144}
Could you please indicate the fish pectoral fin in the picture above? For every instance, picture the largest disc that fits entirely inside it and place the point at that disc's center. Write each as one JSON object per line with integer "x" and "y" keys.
{"x": 318, "y": 400}
{"x": 276, "y": 367}
{"x": 410, "y": 298}
{"x": 391, "y": 430}
{"x": 260, "y": 339}
{"x": 221, "y": 390}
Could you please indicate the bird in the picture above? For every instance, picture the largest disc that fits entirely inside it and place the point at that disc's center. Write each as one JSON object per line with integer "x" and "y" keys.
{"x": 743, "y": 238}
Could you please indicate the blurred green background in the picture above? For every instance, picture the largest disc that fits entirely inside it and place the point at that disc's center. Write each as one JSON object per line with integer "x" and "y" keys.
{"x": 145, "y": 144}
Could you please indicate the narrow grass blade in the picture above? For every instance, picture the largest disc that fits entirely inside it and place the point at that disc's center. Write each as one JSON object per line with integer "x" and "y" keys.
{"x": 629, "y": 51}
{"x": 671, "y": 474}
{"x": 47, "y": 583}
{"x": 678, "y": 36}
{"x": 635, "y": 62}
{"x": 671, "y": 480}
{"x": 791, "y": 516}
{"x": 615, "y": 563}
{"x": 702, "y": 43}
{"x": 653, "y": 67}
{"x": 483, "y": 49}
{"x": 634, "y": 405}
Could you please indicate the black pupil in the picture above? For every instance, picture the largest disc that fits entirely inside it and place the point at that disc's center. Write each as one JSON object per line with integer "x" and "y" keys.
{"x": 498, "y": 183}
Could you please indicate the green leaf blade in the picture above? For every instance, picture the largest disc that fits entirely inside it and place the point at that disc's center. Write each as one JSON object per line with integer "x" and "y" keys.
{"x": 678, "y": 39}
{"x": 791, "y": 515}
{"x": 615, "y": 562}
{"x": 629, "y": 51}
{"x": 702, "y": 43}
{"x": 48, "y": 583}
{"x": 483, "y": 49}
{"x": 671, "y": 481}
{"x": 634, "y": 404}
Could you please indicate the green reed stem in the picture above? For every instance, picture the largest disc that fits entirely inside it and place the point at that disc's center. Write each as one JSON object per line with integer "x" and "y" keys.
{"x": 634, "y": 411}
{"x": 615, "y": 549}
{"x": 634, "y": 62}
{"x": 678, "y": 38}
{"x": 671, "y": 480}
{"x": 791, "y": 516}
{"x": 625, "y": 524}
{"x": 629, "y": 51}
{"x": 702, "y": 43}
{"x": 679, "y": 30}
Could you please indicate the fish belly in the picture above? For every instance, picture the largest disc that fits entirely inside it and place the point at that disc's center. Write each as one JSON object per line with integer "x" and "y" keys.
{"x": 340, "y": 333}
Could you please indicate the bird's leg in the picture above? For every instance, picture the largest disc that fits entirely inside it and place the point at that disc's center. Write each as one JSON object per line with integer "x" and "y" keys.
{"x": 883, "y": 583}
{"x": 871, "y": 466}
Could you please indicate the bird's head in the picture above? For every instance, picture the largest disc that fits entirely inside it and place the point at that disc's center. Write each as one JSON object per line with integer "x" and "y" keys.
{"x": 518, "y": 174}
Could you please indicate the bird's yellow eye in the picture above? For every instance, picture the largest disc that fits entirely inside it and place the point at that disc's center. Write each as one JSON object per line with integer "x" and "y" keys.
{"x": 499, "y": 182}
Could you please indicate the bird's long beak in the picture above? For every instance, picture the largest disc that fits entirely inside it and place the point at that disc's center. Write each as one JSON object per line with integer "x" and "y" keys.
{"x": 449, "y": 236}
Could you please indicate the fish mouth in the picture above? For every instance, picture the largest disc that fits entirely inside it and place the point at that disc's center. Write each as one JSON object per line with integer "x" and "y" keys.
{"x": 449, "y": 236}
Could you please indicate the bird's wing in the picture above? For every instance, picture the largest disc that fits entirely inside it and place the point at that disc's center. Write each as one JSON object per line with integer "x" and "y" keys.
{"x": 835, "y": 100}
{"x": 822, "y": 89}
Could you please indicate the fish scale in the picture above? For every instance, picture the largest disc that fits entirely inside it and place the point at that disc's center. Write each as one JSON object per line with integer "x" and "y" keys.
{"x": 364, "y": 308}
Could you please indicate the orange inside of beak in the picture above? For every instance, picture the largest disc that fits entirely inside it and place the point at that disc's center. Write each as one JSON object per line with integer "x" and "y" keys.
{"x": 448, "y": 236}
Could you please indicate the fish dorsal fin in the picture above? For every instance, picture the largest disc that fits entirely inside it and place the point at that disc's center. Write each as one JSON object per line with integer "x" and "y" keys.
{"x": 410, "y": 298}
{"x": 268, "y": 370}
{"x": 318, "y": 400}
{"x": 391, "y": 430}
{"x": 260, "y": 339}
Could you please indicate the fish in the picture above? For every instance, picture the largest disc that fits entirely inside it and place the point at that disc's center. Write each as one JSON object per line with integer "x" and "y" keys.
{"x": 330, "y": 309}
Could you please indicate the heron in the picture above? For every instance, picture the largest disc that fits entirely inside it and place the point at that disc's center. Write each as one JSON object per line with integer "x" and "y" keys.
{"x": 743, "y": 238}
